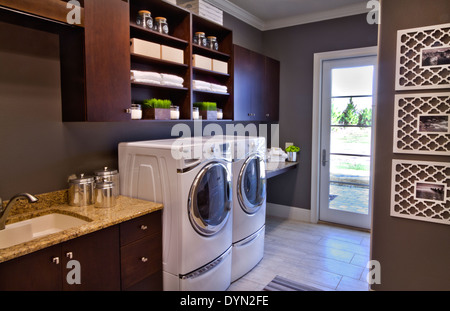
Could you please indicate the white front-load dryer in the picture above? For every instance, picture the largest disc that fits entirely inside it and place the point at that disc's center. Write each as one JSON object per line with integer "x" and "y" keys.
{"x": 249, "y": 201}
{"x": 195, "y": 187}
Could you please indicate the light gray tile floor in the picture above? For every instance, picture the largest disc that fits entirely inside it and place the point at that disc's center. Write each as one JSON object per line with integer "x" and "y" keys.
{"x": 323, "y": 256}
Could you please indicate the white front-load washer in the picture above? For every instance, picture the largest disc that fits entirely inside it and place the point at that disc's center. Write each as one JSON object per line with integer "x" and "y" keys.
{"x": 249, "y": 201}
{"x": 195, "y": 186}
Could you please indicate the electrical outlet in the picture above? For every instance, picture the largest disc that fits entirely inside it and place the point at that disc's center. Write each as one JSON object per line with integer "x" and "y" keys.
{"x": 287, "y": 145}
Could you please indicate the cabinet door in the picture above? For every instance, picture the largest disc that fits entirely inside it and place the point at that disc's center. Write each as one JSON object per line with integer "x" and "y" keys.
{"x": 245, "y": 83}
{"x": 98, "y": 256}
{"x": 39, "y": 271}
{"x": 272, "y": 90}
{"x": 107, "y": 51}
{"x": 255, "y": 81}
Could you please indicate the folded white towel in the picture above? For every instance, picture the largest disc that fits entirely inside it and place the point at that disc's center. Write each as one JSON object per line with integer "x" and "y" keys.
{"x": 170, "y": 83}
{"x": 137, "y": 74}
{"x": 201, "y": 85}
{"x": 172, "y": 78}
{"x": 219, "y": 88}
{"x": 149, "y": 81}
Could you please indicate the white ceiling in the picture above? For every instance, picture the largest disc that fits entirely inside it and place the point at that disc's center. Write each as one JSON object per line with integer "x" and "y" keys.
{"x": 272, "y": 14}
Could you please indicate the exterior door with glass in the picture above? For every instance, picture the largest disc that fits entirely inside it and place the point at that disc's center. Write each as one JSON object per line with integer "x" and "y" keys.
{"x": 347, "y": 104}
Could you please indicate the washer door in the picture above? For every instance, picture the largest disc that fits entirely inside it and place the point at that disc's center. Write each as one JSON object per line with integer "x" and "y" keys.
{"x": 252, "y": 184}
{"x": 210, "y": 199}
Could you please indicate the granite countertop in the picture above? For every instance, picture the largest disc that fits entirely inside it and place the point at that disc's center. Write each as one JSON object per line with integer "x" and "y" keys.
{"x": 98, "y": 218}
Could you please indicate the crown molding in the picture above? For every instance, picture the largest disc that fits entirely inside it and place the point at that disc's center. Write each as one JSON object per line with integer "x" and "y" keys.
{"x": 239, "y": 13}
{"x": 355, "y": 9}
{"x": 234, "y": 10}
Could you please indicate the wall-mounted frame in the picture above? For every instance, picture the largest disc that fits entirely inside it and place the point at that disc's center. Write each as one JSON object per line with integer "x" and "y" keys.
{"x": 423, "y": 58}
{"x": 420, "y": 191}
{"x": 422, "y": 124}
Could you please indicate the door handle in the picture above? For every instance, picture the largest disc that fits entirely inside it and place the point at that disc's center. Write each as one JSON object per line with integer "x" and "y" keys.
{"x": 324, "y": 157}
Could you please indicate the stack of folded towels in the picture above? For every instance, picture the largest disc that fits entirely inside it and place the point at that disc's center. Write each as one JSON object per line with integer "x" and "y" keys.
{"x": 206, "y": 86}
{"x": 156, "y": 78}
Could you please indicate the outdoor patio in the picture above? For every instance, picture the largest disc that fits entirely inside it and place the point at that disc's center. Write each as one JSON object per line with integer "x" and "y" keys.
{"x": 349, "y": 198}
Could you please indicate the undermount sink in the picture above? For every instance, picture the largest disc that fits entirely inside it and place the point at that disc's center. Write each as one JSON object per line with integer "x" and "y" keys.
{"x": 37, "y": 227}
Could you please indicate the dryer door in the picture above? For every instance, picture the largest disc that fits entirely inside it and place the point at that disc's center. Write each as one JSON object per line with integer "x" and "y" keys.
{"x": 210, "y": 199}
{"x": 251, "y": 187}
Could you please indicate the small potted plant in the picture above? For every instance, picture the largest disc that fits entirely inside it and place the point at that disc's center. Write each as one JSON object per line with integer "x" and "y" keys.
{"x": 208, "y": 110}
{"x": 292, "y": 153}
{"x": 156, "y": 109}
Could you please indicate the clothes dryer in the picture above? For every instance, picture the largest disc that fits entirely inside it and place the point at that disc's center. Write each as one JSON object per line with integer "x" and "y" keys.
{"x": 249, "y": 201}
{"x": 195, "y": 186}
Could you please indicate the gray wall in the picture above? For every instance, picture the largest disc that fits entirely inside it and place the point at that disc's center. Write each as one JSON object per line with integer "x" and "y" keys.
{"x": 295, "y": 48}
{"x": 414, "y": 255}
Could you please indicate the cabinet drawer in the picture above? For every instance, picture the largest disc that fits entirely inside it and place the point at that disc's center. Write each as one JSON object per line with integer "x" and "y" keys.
{"x": 138, "y": 228}
{"x": 141, "y": 259}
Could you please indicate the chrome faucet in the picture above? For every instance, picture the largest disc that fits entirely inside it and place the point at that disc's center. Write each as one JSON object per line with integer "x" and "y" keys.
{"x": 4, "y": 212}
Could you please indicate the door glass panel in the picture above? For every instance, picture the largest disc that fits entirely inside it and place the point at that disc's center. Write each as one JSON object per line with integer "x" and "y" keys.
{"x": 350, "y": 138}
{"x": 353, "y": 81}
{"x": 211, "y": 201}
{"x": 252, "y": 185}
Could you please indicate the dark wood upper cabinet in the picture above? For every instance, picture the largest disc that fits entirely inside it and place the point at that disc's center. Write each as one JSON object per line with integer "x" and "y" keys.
{"x": 96, "y": 63}
{"x": 52, "y": 9}
{"x": 256, "y": 86}
{"x": 271, "y": 90}
{"x": 107, "y": 60}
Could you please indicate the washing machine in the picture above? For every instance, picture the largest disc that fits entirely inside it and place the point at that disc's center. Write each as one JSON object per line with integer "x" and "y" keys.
{"x": 194, "y": 184}
{"x": 249, "y": 201}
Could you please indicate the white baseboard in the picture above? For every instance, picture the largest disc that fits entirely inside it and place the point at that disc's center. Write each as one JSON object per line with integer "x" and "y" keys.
{"x": 288, "y": 212}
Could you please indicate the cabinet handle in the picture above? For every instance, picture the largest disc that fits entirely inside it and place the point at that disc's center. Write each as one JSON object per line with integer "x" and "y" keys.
{"x": 144, "y": 259}
{"x": 55, "y": 260}
{"x": 144, "y": 227}
{"x": 69, "y": 255}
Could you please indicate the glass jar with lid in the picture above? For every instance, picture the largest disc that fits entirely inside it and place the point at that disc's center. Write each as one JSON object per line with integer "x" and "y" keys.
{"x": 195, "y": 113}
{"x": 200, "y": 39}
{"x": 136, "y": 111}
{"x": 212, "y": 43}
{"x": 174, "y": 112}
{"x": 219, "y": 114}
{"x": 145, "y": 19}
{"x": 161, "y": 25}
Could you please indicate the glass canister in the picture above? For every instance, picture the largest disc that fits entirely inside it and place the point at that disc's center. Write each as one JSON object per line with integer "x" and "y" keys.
{"x": 136, "y": 111}
{"x": 104, "y": 194}
{"x": 144, "y": 19}
{"x": 81, "y": 190}
{"x": 161, "y": 25}
{"x": 195, "y": 113}
{"x": 109, "y": 175}
{"x": 219, "y": 114}
{"x": 212, "y": 43}
{"x": 200, "y": 39}
{"x": 174, "y": 112}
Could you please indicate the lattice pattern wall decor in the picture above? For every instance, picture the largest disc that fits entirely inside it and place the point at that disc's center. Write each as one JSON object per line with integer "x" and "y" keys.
{"x": 422, "y": 124}
{"x": 423, "y": 58}
{"x": 421, "y": 191}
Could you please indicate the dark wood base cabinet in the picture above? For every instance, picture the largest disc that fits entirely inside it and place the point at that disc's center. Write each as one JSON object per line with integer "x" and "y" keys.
{"x": 123, "y": 257}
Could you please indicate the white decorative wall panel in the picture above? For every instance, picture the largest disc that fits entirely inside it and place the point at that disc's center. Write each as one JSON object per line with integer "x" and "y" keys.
{"x": 421, "y": 191}
{"x": 422, "y": 124}
{"x": 423, "y": 56}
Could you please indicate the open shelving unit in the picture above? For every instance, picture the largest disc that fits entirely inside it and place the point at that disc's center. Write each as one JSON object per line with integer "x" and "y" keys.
{"x": 182, "y": 27}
